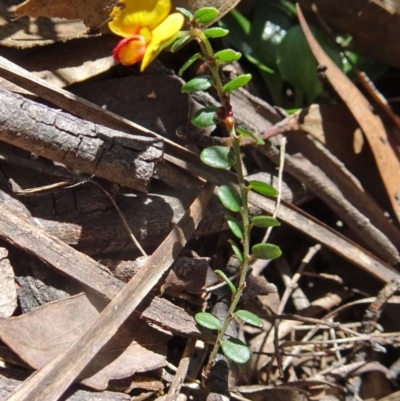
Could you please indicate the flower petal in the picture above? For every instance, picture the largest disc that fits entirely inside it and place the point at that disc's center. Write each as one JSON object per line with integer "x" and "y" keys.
{"x": 130, "y": 50}
{"x": 138, "y": 14}
{"x": 161, "y": 34}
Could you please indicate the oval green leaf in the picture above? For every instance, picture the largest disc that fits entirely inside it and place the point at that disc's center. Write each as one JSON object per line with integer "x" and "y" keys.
{"x": 249, "y": 318}
{"x": 179, "y": 42}
{"x": 235, "y": 226}
{"x": 236, "y": 251}
{"x": 186, "y": 13}
{"x": 207, "y": 320}
{"x": 235, "y": 350}
{"x": 217, "y": 157}
{"x": 227, "y": 56}
{"x": 244, "y": 133}
{"x": 229, "y": 198}
{"x": 197, "y": 84}
{"x": 205, "y": 15}
{"x": 263, "y": 188}
{"x": 215, "y": 32}
{"x": 264, "y": 221}
{"x": 189, "y": 63}
{"x": 227, "y": 281}
{"x": 266, "y": 251}
{"x": 205, "y": 117}
{"x": 236, "y": 83}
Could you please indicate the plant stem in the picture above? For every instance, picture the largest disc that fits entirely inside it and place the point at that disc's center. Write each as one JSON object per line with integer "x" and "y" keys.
{"x": 229, "y": 122}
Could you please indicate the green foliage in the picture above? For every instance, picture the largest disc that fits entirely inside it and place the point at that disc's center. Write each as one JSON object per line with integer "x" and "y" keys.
{"x": 235, "y": 350}
{"x": 236, "y": 250}
{"x": 205, "y": 15}
{"x": 217, "y": 157}
{"x": 264, "y": 221}
{"x": 227, "y": 56}
{"x": 179, "y": 42}
{"x": 198, "y": 84}
{"x": 229, "y": 198}
{"x": 235, "y": 226}
{"x": 189, "y": 63}
{"x": 237, "y": 82}
{"x": 249, "y": 318}
{"x": 243, "y": 133}
{"x": 186, "y": 13}
{"x": 207, "y": 320}
{"x": 266, "y": 251}
{"x": 227, "y": 280}
{"x": 263, "y": 188}
{"x": 215, "y": 32}
{"x": 205, "y": 117}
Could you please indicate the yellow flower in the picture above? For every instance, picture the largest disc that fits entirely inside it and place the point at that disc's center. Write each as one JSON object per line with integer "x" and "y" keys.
{"x": 145, "y": 26}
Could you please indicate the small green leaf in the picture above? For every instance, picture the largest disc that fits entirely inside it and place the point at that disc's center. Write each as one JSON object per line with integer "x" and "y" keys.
{"x": 189, "y": 63}
{"x": 244, "y": 133}
{"x": 227, "y": 56}
{"x": 229, "y": 198}
{"x": 235, "y": 350}
{"x": 205, "y": 15}
{"x": 197, "y": 84}
{"x": 236, "y": 251}
{"x": 235, "y": 226}
{"x": 179, "y": 42}
{"x": 217, "y": 157}
{"x": 186, "y": 13}
{"x": 205, "y": 117}
{"x": 264, "y": 221}
{"x": 227, "y": 281}
{"x": 263, "y": 188}
{"x": 207, "y": 320}
{"x": 237, "y": 82}
{"x": 215, "y": 32}
{"x": 266, "y": 251}
{"x": 249, "y": 318}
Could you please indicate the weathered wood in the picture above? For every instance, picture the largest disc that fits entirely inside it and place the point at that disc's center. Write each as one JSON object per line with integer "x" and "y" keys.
{"x": 51, "y": 381}
{"x": 82, "y": 145}
{"x": 93, "y": 276}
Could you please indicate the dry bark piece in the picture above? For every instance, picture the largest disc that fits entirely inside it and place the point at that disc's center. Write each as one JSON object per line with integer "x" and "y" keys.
{"x": 41, "y": 335}
{"x": 77, "y": 143}
{"x": 372, "y": 126}
{"x": 8, "y": 291}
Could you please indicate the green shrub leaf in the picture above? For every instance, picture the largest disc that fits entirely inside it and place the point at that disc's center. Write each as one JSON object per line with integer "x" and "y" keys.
{"x": 244, "y": 133}
{"x": 235, "y": 350}
{"x": 227, "y": 56}
{"x": 205, "y": 15}
{"x": 217, "y": 157}
{"x": 235, "y": 226}
{"x": 236, "y": 251}
{"x": 264, "y": 221}
{"x": 236, "y": 83}
{"x": 207, "y": 320}
{"x": 197, "y": 84}
{"x": 186, "y": 13}
{"x": 249, "y": 318}
{"x": 229, "y": 198}
{"x": 179, "y": 42}
{"x": 263, "y": 188}
{"x": 215, "y": 32}
{"x": 205, "y": 117}
{"x": 189, "y": 63}
{"x": 227, "y": 281}
{"x": 266, "y": 251}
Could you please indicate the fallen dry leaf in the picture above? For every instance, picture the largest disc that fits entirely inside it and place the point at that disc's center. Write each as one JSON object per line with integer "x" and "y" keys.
{"x": 372, "y": 126}
{"x": 41, "y": 335}
{"x": 8, "y": 292}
